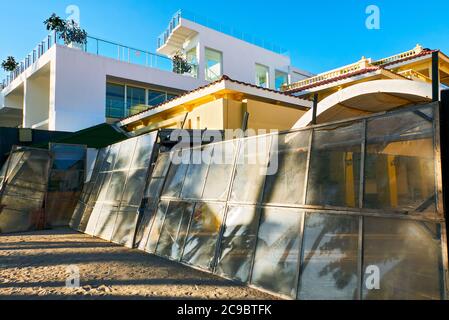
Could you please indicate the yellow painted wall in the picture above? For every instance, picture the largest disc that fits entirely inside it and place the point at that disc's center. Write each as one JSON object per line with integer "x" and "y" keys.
{"x": 233, "y": 114}
{"x": 228, "y": 114}
{"x": 209, "y": 115}
{"x": 270, "y": 116}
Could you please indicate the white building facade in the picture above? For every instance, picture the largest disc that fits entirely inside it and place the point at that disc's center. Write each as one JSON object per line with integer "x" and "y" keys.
{"x": 64, "y": 88}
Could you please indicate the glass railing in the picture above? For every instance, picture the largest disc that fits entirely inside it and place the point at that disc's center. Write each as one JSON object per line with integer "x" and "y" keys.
{"x": 174, "y": 22}
{"x": 31, "y": 58}
{"x": 128, "y": 54}
{"x": 102, "y": 48}
{"x": 182, "y": 14}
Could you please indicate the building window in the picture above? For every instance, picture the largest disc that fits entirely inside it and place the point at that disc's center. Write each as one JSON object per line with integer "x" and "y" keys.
{"x": 191, "y": 56}
{"x": 135, "y": 100}
{"x": 262, "y": 76}
{"x": 156, "y": 97}
{"x": 192, "y": 59}
{"x": 134, "y": 96}
{"x": 115, "y": 100}
{"x": 124, "y": 100}
{"x": 171, "y": 96}
{"x": 214, "y": 68}
{"x": 281, "y": 79}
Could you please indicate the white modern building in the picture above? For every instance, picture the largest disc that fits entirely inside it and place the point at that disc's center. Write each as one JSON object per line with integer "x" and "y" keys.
{"x": 64, "y": 88}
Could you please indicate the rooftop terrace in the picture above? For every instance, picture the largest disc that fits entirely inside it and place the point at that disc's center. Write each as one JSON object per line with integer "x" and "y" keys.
{"x": 175, "y": 21}
{"x": 97, "y": 47}
{"x": 363, "y": 66}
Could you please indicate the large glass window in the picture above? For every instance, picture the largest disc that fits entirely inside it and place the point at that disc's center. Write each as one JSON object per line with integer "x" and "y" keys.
{"x": 174, "y": 230}
{"x": 134, "y": 97}
{"x": 125, "y": 155}
{"x": 196, "y": 173}
{"x": 135, "y": 184}
{"x": 262, "y": 76}
{"x": 277, "y": 253}
{"x": 124, "y": 226}
{"x": 237, "y": 246}
{"x": 106, "y": 221}
{"x": 115, "y": 100}
{"x": 251, "y": 170}
{"x": 157, "y": 180}
{"x": 220, "y": 171}
{"x": 400, "y": 169}
{"x": 329, "y": 268}
{"x": 156, "y": 97}
{"x": 203, "y": 235}
{"x": 214, "y": 64}
{"x": 191, "y": 56}
{"x": 408, "y": 256}
{"x": 177, "y": 174}
{"x": 156, "y": 226}
{"x": 335, "y": 166}
{"x": 281, "y": 78}
{"x": 171, "y": 96}
{"x": 151, "y": 199}
{"x": 289, "y": 154}
{"x": 24, "y": 191}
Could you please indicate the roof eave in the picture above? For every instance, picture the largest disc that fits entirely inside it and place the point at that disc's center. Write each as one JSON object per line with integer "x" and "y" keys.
{"x": 224, "y": 83}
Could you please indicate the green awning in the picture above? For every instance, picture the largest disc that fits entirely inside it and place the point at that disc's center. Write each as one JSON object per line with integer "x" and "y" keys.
{"x": 98, "y": 136}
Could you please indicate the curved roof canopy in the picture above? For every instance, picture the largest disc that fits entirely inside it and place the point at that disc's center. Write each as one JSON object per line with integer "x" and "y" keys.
{"x": 368, "y": 97}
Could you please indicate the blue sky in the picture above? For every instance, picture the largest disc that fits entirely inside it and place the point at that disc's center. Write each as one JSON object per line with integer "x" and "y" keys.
{"x": 320, "y": 35}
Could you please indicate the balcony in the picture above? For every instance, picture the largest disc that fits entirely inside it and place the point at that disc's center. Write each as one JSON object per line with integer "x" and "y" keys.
{"x": 174, "y": 36}
{"x": 99, "y": 47}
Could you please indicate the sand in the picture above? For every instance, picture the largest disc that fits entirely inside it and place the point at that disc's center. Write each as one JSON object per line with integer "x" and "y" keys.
{"x": 35, "y": 266}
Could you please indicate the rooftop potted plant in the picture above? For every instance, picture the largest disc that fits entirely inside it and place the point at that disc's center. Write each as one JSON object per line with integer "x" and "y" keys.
{"x": 69, "y": 31}
{"x": 74, "y": 36}
{"x": 180, "y": 64}
{"x": 9, "y": 64}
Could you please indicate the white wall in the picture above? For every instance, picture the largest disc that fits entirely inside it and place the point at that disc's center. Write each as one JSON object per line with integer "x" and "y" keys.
{"x": 75, "y": 91}
{"x": 14, "y": 101}
{"x": 80, "y": 86}
{"x": 239, "y": 57}
{"x": 36, "y": 102}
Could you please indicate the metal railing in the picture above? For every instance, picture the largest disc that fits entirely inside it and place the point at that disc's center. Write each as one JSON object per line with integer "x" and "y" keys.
{"x": 97, "y": 47}
{"x": 30, "y": 59}
{"x": 128, "y": 54}
{"x": 174, "y": 22}
{"x": 182, "y": 14}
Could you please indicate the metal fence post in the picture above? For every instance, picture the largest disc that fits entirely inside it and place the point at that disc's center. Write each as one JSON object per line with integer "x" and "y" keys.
{"x": 315, "y": 107}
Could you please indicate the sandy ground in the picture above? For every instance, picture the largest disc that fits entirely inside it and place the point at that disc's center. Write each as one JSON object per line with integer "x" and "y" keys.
{"x": 34, "y": 265}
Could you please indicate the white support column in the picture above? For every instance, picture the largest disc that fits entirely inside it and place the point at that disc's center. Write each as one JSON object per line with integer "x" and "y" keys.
{"x": 36, "y": 101}
{"x": 52, "y": 97}
{"x": 201, "y": 62}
